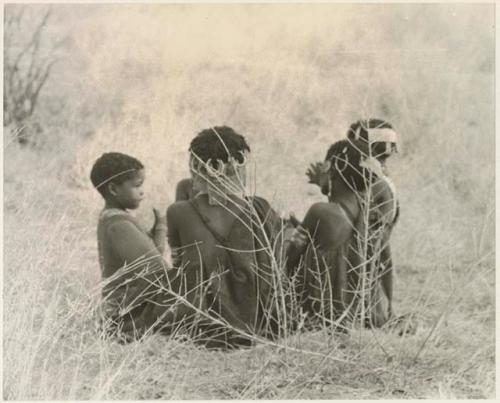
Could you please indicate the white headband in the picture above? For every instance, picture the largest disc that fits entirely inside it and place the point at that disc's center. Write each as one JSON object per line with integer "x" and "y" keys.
{"x": 382, "y": 135}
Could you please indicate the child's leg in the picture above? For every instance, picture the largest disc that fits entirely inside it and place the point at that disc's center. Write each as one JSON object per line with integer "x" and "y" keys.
{"x": 387, "y": 276}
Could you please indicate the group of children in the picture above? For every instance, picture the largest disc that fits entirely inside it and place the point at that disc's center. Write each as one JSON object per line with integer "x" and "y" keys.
{"x": 227, "y": 247}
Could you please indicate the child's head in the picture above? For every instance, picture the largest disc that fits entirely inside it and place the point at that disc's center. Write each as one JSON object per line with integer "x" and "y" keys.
{"x": 218, "y": 158}
{"x": 378, "y": 134}
{"x": 344, "y": 158}
{"x": 119, "y": 177}
{"x": 219, "y": 143}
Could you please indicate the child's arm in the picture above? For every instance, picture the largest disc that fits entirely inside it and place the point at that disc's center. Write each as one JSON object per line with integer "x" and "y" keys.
{"x": 384, "y": 202}
{"x": 159, "y": 231}
{"x": 173, "y": 236}
{"x": 387, "y": 275}
{"x": 143, "y": 263}
{"x": 317, "y": 228}
{"x": 296, "y": 248}
{"x": 273, "y": 226}
{"x": 183, "y": 189}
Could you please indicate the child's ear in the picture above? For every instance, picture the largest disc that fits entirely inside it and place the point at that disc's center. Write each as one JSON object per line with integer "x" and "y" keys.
{"x": 112, "y": 189}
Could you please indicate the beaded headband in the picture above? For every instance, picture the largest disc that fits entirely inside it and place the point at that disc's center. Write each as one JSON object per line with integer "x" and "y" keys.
{"x": 196, "y": 162}
{"x": 116, "y": 176}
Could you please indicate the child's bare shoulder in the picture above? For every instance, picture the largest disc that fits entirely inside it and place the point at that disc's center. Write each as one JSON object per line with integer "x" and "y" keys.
{"x": 114, "y": 220}
{"x": 384, "y": 189}
{"x": 327, "y": 217}
{"x": 326, "y": 210}
{"x": 184, "y": 189}
{"x": 185, "y": 183}
{"x": 329, "y": 223}
{"x": 114, "y": 215}
{"x": 177, "y": 209}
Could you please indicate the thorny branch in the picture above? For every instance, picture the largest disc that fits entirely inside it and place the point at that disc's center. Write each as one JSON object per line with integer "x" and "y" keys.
{"x": 26, "y": 72}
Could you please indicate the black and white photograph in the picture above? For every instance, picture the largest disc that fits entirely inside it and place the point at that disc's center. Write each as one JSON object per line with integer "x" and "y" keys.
{"x": 248, "y": 201}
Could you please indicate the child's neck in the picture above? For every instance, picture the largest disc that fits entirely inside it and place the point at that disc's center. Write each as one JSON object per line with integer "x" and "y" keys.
{"x": 340, "y": 193}
{"x": 113, "y": 204}
{"x": 346, "y": 198}
{"x": 384, "y": 167}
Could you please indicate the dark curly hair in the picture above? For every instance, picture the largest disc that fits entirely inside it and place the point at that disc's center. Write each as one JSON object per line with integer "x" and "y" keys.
{"x": 215, "y": 143}
{"x": 361, "y": 127}
{"x": 345, "y": 157}
{"x": 113, "y": 168}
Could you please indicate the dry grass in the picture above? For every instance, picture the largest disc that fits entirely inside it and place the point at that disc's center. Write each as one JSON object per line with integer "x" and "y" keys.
{"x": 291, "y": 111}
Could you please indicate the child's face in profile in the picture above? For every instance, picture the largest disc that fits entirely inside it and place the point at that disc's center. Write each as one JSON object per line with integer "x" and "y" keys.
{"x": 381, "y": 151}
{"x": 129, "y": 193}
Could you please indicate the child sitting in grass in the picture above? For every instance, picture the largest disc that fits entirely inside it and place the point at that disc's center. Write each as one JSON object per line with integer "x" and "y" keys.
{"x": 377, "y": 140}
{"x": 130, "y": 258}
{"x": 226, "y": 237}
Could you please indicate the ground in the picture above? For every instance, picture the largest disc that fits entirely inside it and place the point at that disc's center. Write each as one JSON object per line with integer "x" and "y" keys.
{"x": 292, "y": 93}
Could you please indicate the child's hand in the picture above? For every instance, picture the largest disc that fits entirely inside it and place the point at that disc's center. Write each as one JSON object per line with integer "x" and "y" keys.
{"x": 290, "y": 225}
{"x": 294, "y": 220}
{"x": 318, "y": 175}
{"x": 373, "y": 165}
{"x": 160, "y": 221}
{"x": 314, "y": 173}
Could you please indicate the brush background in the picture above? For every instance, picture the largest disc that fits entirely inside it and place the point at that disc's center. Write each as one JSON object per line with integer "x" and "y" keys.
{"x": 144, "y": 79}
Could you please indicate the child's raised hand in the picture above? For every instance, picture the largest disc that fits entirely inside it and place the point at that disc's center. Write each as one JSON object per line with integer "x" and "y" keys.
{"x": 314, "y": 173}
{"x": 318, "y": 175}
{"x": 160, "y": 221}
